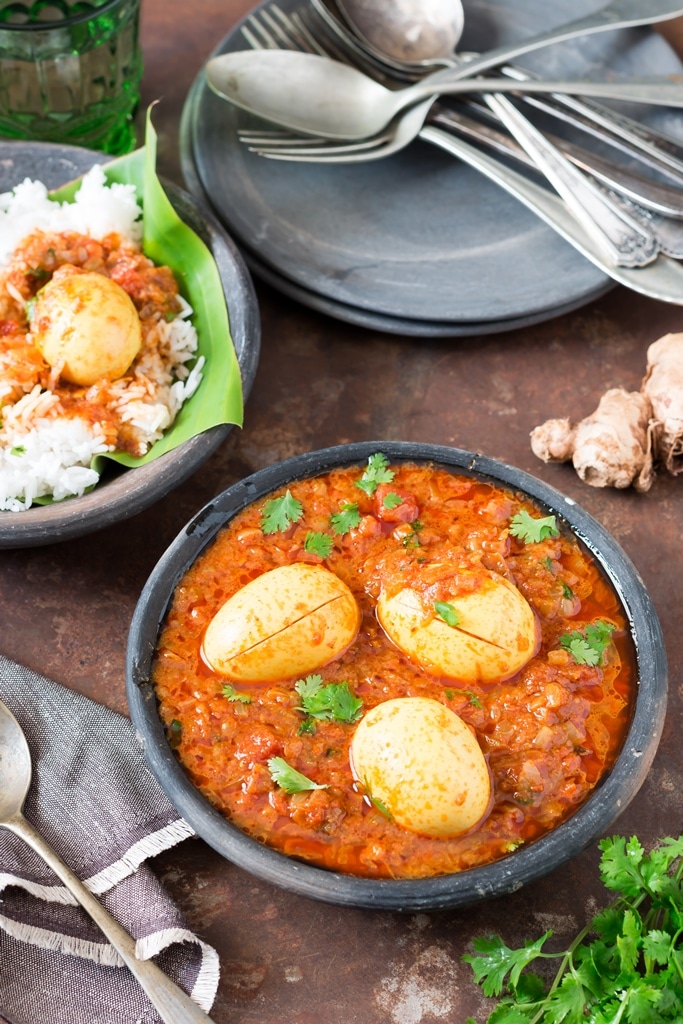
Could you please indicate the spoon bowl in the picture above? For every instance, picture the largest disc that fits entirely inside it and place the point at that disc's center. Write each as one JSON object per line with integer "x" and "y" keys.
{"x": 173, "y": 1005}
{"x": 15, "y": 765}
{"x": 407, "y": 30}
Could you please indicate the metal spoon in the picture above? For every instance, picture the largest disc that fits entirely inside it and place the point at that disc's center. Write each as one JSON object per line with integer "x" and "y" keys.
{"x": 396, "y": 17}
{"x": 173, "y": 1005}
{"x": 319, "y": 96}
{"x": 412, "y": 30}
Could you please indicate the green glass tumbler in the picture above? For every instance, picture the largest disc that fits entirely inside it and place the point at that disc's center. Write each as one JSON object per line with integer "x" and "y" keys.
{"x": 70, "y": 72}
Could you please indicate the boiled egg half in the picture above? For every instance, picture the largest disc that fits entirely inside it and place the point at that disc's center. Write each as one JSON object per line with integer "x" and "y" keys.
{"x": 420, "y": 762}
{"x": 491, "y": 635}
{"x": 284, "y": 623}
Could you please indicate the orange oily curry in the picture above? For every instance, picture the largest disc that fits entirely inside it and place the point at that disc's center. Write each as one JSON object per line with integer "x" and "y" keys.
{"x": 475, "y": 688}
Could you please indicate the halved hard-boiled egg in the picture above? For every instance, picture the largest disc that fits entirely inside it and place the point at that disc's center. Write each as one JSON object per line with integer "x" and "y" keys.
{"x": 482, "y": 630}
{"x": 86, "y": 325}
{"x": 420, "y": 762}
{"x": 286, "y": 622}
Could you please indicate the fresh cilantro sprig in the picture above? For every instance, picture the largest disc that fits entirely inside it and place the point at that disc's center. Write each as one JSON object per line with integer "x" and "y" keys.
{"x": 447, "y": 612}
{"x": 331, "y": 702}
{"x": 625, "y": 966}
{"x": 376, "y": 472}
{"x": 588, "y": 646}
{"x": 348, "y": 518}
{"x": 288, "y": 778}
{"x": 278, "y": 514}
{"x": 234, "y": 696}
{"x": 531, "y": 530}
{"x": 320, "y": 544}
{"x": 392, "y": 500}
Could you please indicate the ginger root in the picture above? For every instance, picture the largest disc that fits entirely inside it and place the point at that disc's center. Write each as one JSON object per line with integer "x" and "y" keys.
{"x": 610, "y": 448}
{"x": 630, "y": 432}
{"x": 663, "y": 387}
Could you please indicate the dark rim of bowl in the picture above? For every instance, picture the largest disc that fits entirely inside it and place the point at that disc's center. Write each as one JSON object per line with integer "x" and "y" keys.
{"x": 526, "y": 864}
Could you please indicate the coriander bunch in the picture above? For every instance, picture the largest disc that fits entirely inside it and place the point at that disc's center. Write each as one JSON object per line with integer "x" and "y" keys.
{"x": 624, "y": 967}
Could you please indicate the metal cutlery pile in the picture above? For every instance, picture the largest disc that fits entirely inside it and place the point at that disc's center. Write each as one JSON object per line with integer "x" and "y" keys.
{"x": 312, "y": 72}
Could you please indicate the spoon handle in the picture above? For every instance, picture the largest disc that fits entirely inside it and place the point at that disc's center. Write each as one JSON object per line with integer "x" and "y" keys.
{"x": 173, "y": 1005}
{"x": 616, "y": 15}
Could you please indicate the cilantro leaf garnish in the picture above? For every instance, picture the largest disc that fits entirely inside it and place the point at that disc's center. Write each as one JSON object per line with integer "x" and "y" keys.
{"x": 318, "y": 544}
{"x": 347, "y": 519}
{"x": 531, "y": 530}
{"x": 624, "y": 966}
{"x": 447, "y": 612}
{"x": 280, "y": 513}
{"x": 588, "y": 646}
{"x": 175, "y": 732}
{"x": 288, "y": 778}
{"x": 473, "y": 699}
{"x": 392, "y": 500}
{"x": 234, "y": 695}
{"x": 331, "y": 702}
{"x": 376, "y": 473}
{"x": 381, "y": 807}
{"x": 411, "y": 540}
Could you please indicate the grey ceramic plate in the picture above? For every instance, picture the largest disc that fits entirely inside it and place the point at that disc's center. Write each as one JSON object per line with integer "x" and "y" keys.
{"x": 121, "y": 494}
{"x": 418, "y": 236}
{"x": 323, "y": 303}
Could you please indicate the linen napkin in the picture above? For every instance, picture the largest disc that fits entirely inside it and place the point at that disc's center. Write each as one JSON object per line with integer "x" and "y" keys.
{"x": 96, "y": 803}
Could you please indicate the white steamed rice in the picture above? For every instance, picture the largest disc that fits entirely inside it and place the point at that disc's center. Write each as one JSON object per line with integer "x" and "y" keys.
{"x": 40, "y": 453}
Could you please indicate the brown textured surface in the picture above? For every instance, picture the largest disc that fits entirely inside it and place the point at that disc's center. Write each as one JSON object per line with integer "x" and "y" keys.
{"x": 65, "y": 609}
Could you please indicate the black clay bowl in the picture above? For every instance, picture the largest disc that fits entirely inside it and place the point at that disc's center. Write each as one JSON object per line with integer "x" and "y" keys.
{"x": 121, "y": 494}
{"x": 527, "y": 863}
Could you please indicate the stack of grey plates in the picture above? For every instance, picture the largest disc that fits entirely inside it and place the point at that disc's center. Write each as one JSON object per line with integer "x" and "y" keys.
{"x": 417, "y": 243}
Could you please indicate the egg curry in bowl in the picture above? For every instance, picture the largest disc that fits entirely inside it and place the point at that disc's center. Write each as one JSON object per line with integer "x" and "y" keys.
{"x": 395, "y": 671}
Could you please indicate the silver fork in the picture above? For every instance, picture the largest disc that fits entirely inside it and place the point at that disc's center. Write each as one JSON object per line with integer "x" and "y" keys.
{"x": 662, "y": 279}
{"x": 625, "y": 240}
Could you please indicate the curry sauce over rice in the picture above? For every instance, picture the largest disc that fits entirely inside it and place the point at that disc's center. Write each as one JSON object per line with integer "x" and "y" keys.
{"x": 52, "y": 427}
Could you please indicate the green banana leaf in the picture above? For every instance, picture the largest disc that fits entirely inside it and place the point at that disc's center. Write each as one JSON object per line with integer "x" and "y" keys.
{"x": 168, "y": 240}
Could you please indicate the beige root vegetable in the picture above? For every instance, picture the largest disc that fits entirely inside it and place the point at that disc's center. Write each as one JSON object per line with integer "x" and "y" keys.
{"x": 630, "y": 432}
{"x": 610, "y": 448}
{"x": 663, "y": 387}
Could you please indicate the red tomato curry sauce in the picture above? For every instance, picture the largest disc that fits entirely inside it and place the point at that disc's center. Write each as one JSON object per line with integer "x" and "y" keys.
{"x": 548, "y": 734}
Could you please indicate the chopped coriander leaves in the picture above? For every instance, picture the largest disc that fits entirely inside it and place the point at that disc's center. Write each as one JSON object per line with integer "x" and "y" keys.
{"x": 320, "y": 544}
{"x": 331, "y": 702}
{"x": 531, "y": 530}
{"x": 446, "y": 612}
{"x": 392, "y": 500}
{"x": 175, "y": 732}
{"x": 588, "y": 646}
{"x": 280, "y": 513}
{"x": 288, "y": 778}
{"x": 567, "y": 591}
{"x": 346, "y": 519}
{"x": 376, "y": 472}
{"x": 411, "y": 540}
{"x": 19, "y": 449}
{"x": 473, "y": 699}
{"x": 233, "y": 695}
{"x": 381, "y": 807}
